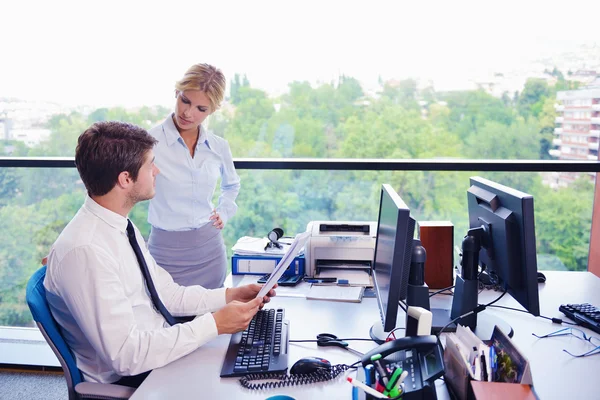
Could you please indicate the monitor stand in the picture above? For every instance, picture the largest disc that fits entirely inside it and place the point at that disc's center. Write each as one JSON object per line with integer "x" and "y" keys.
{"x": 483, "y": 330}
{"x": 379, "y": 335}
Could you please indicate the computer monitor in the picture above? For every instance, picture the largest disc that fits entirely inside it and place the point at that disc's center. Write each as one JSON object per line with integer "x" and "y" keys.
{"x": 391, "y": 261}
{"x": 500, "y": 242}
{"x": 508, "y": 251}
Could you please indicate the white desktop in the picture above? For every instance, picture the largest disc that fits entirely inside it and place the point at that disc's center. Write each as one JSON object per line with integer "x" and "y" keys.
{"x": 556, "y": 375}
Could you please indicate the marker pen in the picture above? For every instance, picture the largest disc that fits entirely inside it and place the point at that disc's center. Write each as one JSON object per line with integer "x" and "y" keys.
{"x": 380, "y": 368}
{"x": 366, "y": 388}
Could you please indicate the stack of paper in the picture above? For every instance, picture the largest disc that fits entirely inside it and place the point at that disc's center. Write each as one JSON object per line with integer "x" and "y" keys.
{"x": 253, "y": 246}
{"x": 470, "y": 350}
{"x": 336, "y": 293}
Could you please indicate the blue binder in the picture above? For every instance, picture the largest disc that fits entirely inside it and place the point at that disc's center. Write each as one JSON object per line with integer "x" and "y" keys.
{"x": 259, "y": 265}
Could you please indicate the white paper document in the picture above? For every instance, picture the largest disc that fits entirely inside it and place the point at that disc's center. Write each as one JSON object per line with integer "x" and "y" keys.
{"x": 253, "y": 246}
{"x": 285, "y": 262}
{"x": 336, "y": 293}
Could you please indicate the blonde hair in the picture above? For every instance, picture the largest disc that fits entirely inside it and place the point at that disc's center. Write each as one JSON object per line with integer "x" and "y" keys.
{"x": 206, "y": 78}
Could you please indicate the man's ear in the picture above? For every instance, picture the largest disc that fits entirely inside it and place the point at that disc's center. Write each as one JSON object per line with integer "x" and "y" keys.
{"x": 124, "y": 180}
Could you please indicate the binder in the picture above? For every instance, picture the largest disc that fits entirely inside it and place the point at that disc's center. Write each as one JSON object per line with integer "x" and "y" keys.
{"x": 260, "y": 265}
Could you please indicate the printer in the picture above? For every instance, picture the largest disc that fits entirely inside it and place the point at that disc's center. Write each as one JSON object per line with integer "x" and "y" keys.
{"x": 340, "y": 245}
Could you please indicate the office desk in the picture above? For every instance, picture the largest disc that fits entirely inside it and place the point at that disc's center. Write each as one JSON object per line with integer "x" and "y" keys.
{"x": 555, "y": 373}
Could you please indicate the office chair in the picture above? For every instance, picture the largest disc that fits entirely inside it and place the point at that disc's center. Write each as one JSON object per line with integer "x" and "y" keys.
{"x": 78, "y": 389}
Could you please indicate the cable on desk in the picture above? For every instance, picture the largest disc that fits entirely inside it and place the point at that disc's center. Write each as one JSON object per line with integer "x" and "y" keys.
{"x": 442, "y": 290}
{"x": 283, "y": 380}
{"x": 477, "y": 310}
{"x": 314, "y": 340}
{"x": 392, "y": 333}
{"x": 553, "y": 319}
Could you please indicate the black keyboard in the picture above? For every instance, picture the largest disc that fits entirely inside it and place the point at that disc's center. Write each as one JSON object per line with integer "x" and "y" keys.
{"x": 263, "y": 347}
{"x": 584, "y": 314}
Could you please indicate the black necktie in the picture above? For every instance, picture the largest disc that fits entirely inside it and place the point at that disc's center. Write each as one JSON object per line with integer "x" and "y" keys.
{"x": 144, "y": 267}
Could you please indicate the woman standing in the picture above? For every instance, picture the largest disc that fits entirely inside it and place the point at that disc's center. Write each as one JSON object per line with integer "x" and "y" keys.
{"x": 186, "y": 238}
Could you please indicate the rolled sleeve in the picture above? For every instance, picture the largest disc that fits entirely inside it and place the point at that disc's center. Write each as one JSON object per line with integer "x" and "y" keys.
{"x": 230, "y": 186}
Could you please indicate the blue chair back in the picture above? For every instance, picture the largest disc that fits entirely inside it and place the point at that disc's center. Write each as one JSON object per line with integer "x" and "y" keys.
{"x": 36, "y": 300}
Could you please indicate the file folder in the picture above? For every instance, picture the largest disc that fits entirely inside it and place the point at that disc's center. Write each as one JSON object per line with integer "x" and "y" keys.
{"x": 260, "y": 265}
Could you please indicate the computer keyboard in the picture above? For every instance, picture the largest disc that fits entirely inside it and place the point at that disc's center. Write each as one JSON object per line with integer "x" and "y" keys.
{"x": 263, "y": 347}
{"x": 584, "y": 314}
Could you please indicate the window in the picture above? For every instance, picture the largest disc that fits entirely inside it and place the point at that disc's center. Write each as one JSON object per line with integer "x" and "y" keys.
{"x": 329, "y": 79}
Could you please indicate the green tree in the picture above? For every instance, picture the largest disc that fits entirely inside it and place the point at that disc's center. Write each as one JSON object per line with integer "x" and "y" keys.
{"x": 470, "y": 110}
{"x": 563, "y": 220}
{"x": 532, "y": 97}
{"x": 403, "y": 93}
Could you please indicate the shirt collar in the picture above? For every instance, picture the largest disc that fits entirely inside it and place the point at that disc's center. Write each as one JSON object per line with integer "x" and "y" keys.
{"x": 113, "y": 219}
{"x": 172, "y": 134}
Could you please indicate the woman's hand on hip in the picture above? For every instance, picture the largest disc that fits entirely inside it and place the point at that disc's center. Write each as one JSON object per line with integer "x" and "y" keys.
{"x": 218, "y": 222}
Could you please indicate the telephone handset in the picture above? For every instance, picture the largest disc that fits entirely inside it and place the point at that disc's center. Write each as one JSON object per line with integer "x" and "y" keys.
{"x": 421, "y": 356}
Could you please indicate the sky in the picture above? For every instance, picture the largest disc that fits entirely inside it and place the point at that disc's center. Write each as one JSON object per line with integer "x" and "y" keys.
{"x": 130, "y": 53}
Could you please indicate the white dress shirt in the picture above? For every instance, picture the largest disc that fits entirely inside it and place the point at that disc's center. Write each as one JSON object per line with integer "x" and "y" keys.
{"x": 185, "y": 186}
{"x": 97, "y": 294}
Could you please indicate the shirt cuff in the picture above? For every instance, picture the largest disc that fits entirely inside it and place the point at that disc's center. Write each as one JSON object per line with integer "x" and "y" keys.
{"x": 204, "y": 328}
{"x": 218, "y": 299}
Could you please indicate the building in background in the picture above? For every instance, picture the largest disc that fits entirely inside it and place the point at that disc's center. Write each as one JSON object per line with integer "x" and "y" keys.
{"x": 577, "y": 128}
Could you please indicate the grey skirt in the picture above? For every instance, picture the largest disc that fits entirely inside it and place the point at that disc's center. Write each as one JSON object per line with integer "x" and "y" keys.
{"x": 195, "y": 257}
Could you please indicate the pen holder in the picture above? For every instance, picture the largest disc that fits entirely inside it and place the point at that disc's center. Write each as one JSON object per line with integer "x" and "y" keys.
{"x": 459, "y": 381}
{"x": 361, "y": 375}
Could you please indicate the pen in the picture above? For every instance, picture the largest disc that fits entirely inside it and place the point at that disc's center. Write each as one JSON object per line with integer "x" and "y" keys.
{"x": 402, "y": 377}
{"x": 484, "y": 374}
{"x": 493, "y": 360}
{"x": 366, "y": 388}
{"x": 391, "y": 389}
{"x": 380, "y": 368}
{"x": 369, "y": 374}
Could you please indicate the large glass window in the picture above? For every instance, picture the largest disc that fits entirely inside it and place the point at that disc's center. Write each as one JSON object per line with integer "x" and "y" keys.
{"x": 33, "y": 213}
{"x": 322, "y": 79}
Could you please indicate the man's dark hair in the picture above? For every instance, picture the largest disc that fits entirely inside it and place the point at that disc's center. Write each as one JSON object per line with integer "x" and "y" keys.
{"x": 108, "y": 148}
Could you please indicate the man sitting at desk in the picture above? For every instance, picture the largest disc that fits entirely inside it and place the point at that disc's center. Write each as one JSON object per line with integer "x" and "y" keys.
{"x": 116, "y": 306}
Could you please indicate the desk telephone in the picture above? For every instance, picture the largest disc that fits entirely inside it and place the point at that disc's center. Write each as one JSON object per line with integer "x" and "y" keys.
{"x": 421, "y": 356}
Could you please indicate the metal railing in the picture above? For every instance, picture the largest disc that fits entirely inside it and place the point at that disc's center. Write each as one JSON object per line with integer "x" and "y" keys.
{"x": 326, "y": 164}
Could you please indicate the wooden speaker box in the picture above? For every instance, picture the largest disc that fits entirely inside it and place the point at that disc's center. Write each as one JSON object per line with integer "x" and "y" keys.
{"x": 438, "y": 239}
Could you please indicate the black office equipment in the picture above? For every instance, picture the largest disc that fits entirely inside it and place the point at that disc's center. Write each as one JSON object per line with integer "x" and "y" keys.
{"x": 272, "y": 380}
{"x": 274, "y": 236}
{"x": 263, "y": 347}
{"x": 309, "y": 365}
{"x": 391, "y": 261}
{"x": 421, "y": 356}
{"x": 501, "y": 243}
{"x": 541, "y": 278}
{"x": 290, "y": 280}
{"x": 503, "y": 219}
{"x": 584, "y": 314}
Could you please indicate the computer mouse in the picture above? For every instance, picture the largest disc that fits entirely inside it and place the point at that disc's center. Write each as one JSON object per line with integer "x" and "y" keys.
{"x": 541, "y": 277}
{"x": 309, "y": 365}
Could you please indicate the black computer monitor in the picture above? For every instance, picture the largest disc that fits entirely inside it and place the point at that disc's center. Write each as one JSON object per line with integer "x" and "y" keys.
{"x": 391, "y": 261}
{"x": 508, "y": 251}
{"x": 499, "y": 243}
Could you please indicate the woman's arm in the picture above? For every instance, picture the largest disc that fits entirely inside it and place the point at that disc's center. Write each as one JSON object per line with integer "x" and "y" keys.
{"x": 230, "y": 186}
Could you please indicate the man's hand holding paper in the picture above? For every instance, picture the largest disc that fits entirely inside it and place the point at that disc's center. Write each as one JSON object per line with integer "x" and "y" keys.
{"x": 248, "y": 293}
{"x": 285, "y": 262}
